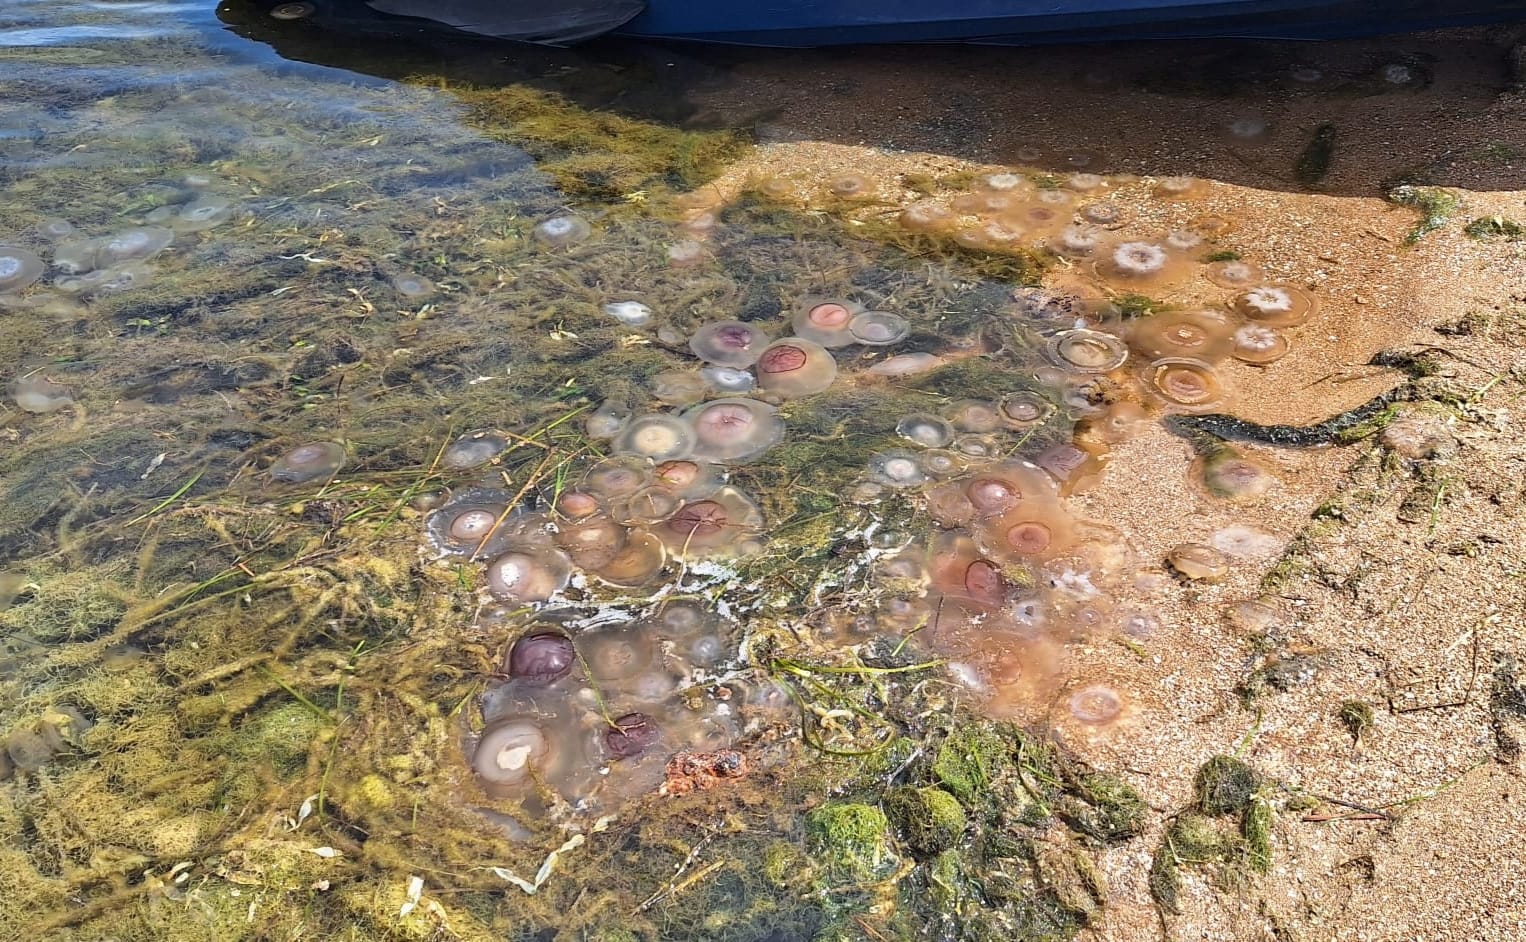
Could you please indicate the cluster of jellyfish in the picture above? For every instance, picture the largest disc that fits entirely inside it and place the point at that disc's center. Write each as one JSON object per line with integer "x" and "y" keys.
{"x": 1010, "y": 576}
{"x": 117, "y": 261}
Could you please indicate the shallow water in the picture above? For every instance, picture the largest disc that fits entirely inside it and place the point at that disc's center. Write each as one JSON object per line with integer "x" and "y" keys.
{"x": 357, "y": 361}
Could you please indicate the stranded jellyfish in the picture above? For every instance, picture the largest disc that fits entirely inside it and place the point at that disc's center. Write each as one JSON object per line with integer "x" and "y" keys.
{"x": 575, "y": 505}
{"x": 54, "y": 230}
{"x": 472, "y": 524}
{"x": 410, "y": 285}
{"x": 722, "y": 520}
{"x": 728, "y": 379}
{"x": 19, "y": 268}
{"x": 825, "y": 321}
{"x": 1023, "y": 410}
{"x": 541, "y": 658}
{"x": 1234, "y": 477}
{"x": 896, "y": 468}
{"x": 1178, "y": 188}
{"x": 1136, "y": 263}
{"x": 729, "y": 343}
{"x": 629, "y": 313}
{"x": 926, "y": 217}
{"x": 795, "y": 367}
{"x": 205, "y": 213}
{"x": 592, "y": 541}
{"x": 1233, "y": 273}
{"x": 1185, "y": 384}
{"x": 133, "y": 245}
{"x": 39, "y": 395}
{"x": 630, "y": 735}
{"x": 734, "y": 430}
{"x": 1085, "y": 182}
{"x": 1259, "y": 344}
{"x": 308, "y": 463}
{"x": 680, "y": 387}
{"x": 879, "y": 328}
{"x": 929, "y": 431}
{"x": 1274, "y": 305}
{"x": 562, "y": 231}
{"x": 1096, "y": 704}
{"x": 512, "y": 752}
{"x": 851, "y": 186}
{"x": 1108, "y": 215}
{"x": 618, "y": 476}
{"x": 529, "y": 575}
{"x": 906, "y": 364}
{"x": 658, "y": 437}
{"x": 685, "y": 254}
{"x": 473, "y": 449}
{"x": 1198, "y": 562}
{"x": 1076, "y": 241}
{"x": 637, "y": 562}
{"x": 688, "y": 479}
{"x": 1180, "y": 334}
{"x": 1087, "y": 351}
{"x": 973, "y": 415}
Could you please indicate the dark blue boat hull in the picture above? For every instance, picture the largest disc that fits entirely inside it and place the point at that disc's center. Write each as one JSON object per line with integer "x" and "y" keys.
{"x": 1026, "y": 22}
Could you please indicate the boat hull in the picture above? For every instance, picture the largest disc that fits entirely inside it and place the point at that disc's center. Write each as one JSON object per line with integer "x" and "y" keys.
{"x": 1031, "y": 22}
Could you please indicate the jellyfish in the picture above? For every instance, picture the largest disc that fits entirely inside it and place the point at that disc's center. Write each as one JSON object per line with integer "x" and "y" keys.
{"x": 906, "y": 364}
{"x": 630, "y": 735}
{"x": 204, "y": 213}
{"x": 728, "y": 380}
{"x": 729, "y": 343}
{"x": 637, "y": 562}
{"x": 1096, "y": 704}
{"x": 473, "y": 450}
{"x": 54, "y": 230}
{"x": 896, "y": 468}
{"x": 1023, "y": 410}
{"x": 734, "y": 430}
{"x": 1258, "y": 344}
{"x": 1233, "y": 273}
{"x": 1178, "y": 188}
{"x": 1107, "y": 215}
{"x": 929, "y": 431}
{"x": 795, "y": 367}
{"x": 39, "y": 395}
{"x": 1198, "y": 562}
{"x": 1199, "y": 335}
{"x": 593, "y": 541}
{"x": 562, "y": 231}
{"x": 1274, "y": 305}
{"x": 878, "y": 328}
{"x": 973, "y": 415}
{"x": 618, "y": 476}
{"x": 1185, "y": 384}
{"x": 656, "y": 436}
{"x": 19, "y": 268}
{"x": 541, "y": 658}
{"x": 1087, "y": 351}
{"x": 1076, "y": 241}
{"x": 687, "y": 478}
{"x": 926, "y": 217}
{"x": 514, "y": 752}
{"x": 471, "y": 524}
{"x": 629, "y": 313}
{"x": 851, "y": 186}
{"x": 308, "y": 463}
{"x": 1137, "y": 264}
{"x": 411, "y": 285}
{"x": 719, "y": 522}
{"x": 532, "y": 574}
{"x": 1085, "y": 182}
{"x": 825, "y": 320}
{"x": 680, "y": 387}
{"x": 685, "y": 254}
{"x": 132, "y": 245}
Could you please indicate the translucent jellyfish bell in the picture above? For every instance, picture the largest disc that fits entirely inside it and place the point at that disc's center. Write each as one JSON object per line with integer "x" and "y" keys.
{"x": 629, "y": 313}
{"x": 1180, "y": 334}
{"x": 929, "y": 431}
{"x": 1087, "y": 351}
{"x": 133, "y": 245}
{"x": 205, "y": 213}
{"x": 1259, "y": 344}
{"x": 411, "y": 285}
{"x": 1233, "y": 273}
{"x": 879, "y": 328}
{"x": 473, "y": 450}
{"x": 734, "y": 430}
{"x": 562, "y": 231}
{"x": 1275, "y": 305}
{"x": 528, "y": 575}
{"x": 1185, "y": 384}
{"x": 795, "y": 367}
{"x": 826, "y": 321}
{"x": 728, "y": 379}
{"x": 19, "y": 268}
{"x": 657, "y": 436}
{"x": 308, "y": 462}
{"x": 896, "y": 468}
{"x": 729, "y": 343}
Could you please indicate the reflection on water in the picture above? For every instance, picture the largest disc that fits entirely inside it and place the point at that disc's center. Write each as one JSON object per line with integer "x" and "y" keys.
{"x": 400, "y": 474}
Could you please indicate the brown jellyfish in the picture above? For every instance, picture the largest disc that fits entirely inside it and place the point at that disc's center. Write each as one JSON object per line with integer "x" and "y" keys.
{"x": 949, "y": 505}
{"x": 657, "y": 436}
{"x": 1136, "y": 264}
{"x": 679, "y": 387}
{"x": 1198, "y": 562}
{"x": 729, "y": 343}
{"x": 1185, "y": 384}
{"x": 630, "y": 735}
{"x": 1274, "y": 305}
{"x": 648, "y": 505}
{"x": 1178, "y": 188}
{"x": 1201, "y": 335}
{"x": 618, "y": 476}
{"x": 1096, "y": 704}
{"x": 734, "y": 430}
{"x": 528, "y": 575}
{"x": 1106, "y": 215}
{"x": 907, "y": 364}
{"x": 1076, "y": 241}
{"x": 593, "y": 541}
{"x": 1076, "y": 465}
{"x": 795, "y": 367}
{"x": 926, "y": 217}
{"x": 308, "y": 462}
{"x": 637, "y": 563}
{"x": 575, "y": 505}
{"x": 851, "y": 186}
{"x": 617, "y": 655}
{"x": 1032, "y": 531}
{"x": 1120, "y": 422}
{"x": 688, "y": 479}
{"x": 940, "y": 464}
{"x": 1228, "y": 474}
{"x": 826, "y": 320}
{"x": 719, "y": 522}
{"x": 1259, "y": 344}
{"x": 541, "y": 658}
{"x": 1233, "y": 273}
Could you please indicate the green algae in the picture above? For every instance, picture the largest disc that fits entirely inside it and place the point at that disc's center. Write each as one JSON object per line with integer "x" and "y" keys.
{"x": 928, "y": 820}
{"x": 850, "y": 840}
{"x": 1436, "y": 206}
{"x": 1495, "y": 229}
{"x": 1227, "y": 832}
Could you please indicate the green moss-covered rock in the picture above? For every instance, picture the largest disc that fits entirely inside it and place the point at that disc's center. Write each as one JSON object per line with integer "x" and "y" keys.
{"x": 850, "y": 840}
{"x": 968, "y": 760}
{"x": 1103, "y": 807}
{"x": 929, "y": 820}
{"x": 1225, "y": 785}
